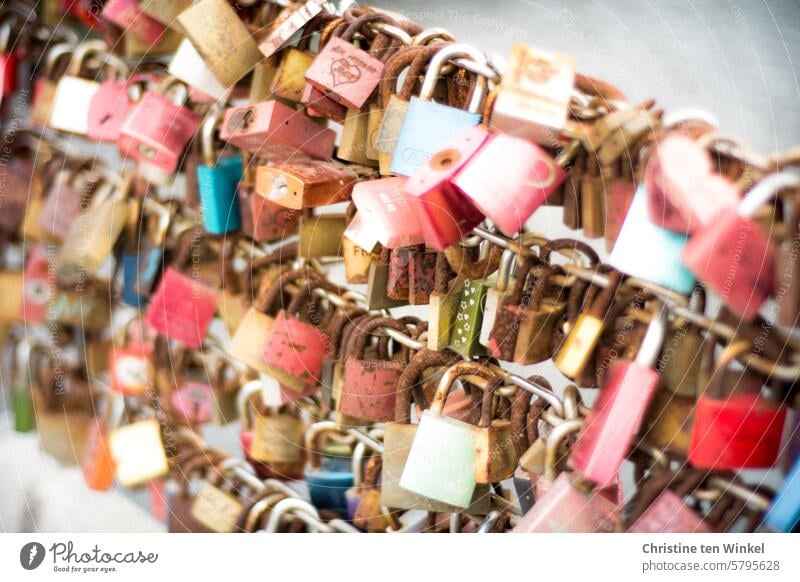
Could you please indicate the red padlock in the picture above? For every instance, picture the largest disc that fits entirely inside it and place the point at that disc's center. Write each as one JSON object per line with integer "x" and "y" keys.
{"x": 181, "y": 308}
{"x": 8, "y": 59}
{"x": 158, "y": 129}
{"x": 615, "y": 418}
{"x": 734, "y": 431}
{"x": 276, "y": 132}
{"x": 733, "y": 256}
{"x": 508, "y": 179}
{"x": 370, "y": 385}
{"x": 444, "y": 214}
{"x": 294, "y": 349}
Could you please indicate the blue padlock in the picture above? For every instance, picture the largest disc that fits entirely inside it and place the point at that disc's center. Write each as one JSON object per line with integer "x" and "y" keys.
{"x": 429, "y": 126}
{"x": 330, "y": 473}
{"x": 650, "y": 252}
{"x": 784, "y": 513}
{"x": 142, "y": 265}
{"x": 218, "y": 182}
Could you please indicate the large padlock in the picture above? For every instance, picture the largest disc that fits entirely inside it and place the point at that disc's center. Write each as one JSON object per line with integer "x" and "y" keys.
{"x": 188, "y": 66}
{"x": 221, "y": 38}
{"x": 182, "y": 308}
{"x": 428, "y": 126}
{"x": 276, "y": 132}
{"x": 111, "y": 105}
{"x": 138, "y": 452}
{"x": 441, "y": 464}
{"x": 159, "y": 128}
{"x": 616, "y": 416}
{"x": 735, "y": 431}
{"x": 217, "y": 181}
{"x": 305, "y": 185}
{"x": 534, "y": 95}
{"x": 384, "y": 206}
{"x": 733, "y": 256}
{"x": 648, "y": 251}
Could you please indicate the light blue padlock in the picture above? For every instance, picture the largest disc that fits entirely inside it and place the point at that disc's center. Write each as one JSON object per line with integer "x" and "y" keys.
{"x": 428, "y": 125}
{"x": 218, "y": 181}
{"x": 647, "y": 251}
{"x": 784, "y": 513}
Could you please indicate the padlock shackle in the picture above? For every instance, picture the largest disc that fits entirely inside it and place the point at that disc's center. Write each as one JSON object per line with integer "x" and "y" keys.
{"x": 717, "y": 366}
{"x": 290, "y": 505}
{"x": 443, "y": 56}
{"x": 766, "y": 189}
{"x": 314, "y": 432}
{"x": 207, "y": 133}
{"x": 422, "y": 360}
{"x": 243, "y": 399}
{"x": 451, "y": 375}
{"x": 359, "y": 343}
{"x": 654, "y": 337}
{"x": 554, "y": 439}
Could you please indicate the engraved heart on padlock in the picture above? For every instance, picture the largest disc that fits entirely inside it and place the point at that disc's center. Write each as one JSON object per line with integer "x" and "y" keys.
{"x": 344, "y": 71}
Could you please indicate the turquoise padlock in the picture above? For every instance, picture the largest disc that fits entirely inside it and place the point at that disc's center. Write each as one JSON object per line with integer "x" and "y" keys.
{"x": 650, "y": 252}
{"x": 784, "y": 513}
{"x": 218, "y": 182}
{"x": 428, "y": 125}
{"x": 329, "y": 474}
{"x": 441, "y": 462}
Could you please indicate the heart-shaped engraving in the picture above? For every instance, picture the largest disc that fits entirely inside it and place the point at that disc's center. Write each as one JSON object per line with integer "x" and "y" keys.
{"x": 344, "y": 71}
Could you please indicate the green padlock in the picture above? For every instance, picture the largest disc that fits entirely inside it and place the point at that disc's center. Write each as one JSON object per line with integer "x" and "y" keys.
{"x": 24, "y": 413}
{"x": 465, "y": 335}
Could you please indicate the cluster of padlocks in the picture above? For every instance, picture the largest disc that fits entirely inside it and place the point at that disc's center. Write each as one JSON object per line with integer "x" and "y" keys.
{"x": 180, "y": 181}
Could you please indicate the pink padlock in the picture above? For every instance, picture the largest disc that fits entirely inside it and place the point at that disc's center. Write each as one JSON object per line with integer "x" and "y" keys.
{"x": 344, "y": 73}
{"x": 508, "y": 179}
{"x": 683, "y": 193}
{"x": 294, "y": 349}
{"x": 658, "y": 505}
{"x": 443, "y": 212}
{"x": 276, "y": 132}
{"x": 127, "y": 15}
{"x": 370, "y": 385}
{"x": 384, "y": 205}
{"x": 193, "y": 403}
{"x": 109, "y": 109}
{"x": 181, "y": 308}
{"x": 158, "y": 129}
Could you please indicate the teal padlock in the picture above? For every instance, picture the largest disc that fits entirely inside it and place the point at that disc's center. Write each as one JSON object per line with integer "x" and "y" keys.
{"x": 442, "y": 461}
{"x": 218, "y": 182}
{"x": 329, "y": 474}
{"x": 428, "y": 126}
{"x": 650, "y": 252}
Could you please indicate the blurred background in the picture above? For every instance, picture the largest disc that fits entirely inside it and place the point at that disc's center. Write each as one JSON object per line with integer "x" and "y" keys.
{"x": 735, "y": 59}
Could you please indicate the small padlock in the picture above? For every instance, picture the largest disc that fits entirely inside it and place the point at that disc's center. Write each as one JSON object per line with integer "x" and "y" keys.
{"x": 329, "y": 474}
{"x": 305, "y": 185}
{"x": 217, "y": 181}
{"x": 384, "y": 206}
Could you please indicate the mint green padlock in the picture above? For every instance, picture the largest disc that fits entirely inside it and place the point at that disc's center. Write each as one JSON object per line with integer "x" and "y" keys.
{"x": 442, "y": 460}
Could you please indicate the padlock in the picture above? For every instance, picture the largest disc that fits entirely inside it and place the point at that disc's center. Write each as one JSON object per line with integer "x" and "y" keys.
{"x": 22, "y": 399}
{"x": 193, "y": 468}
{"x": 569, "y": 506}
{"x": 165, "y": 11}
{"x": 681, "y": 359}
{"x": 294, "y": 349}
{"x": 305, "y": 185}
{"x": 357, "y": 258}
{"x": 592, "y": 196}
{"x": 344, "y": 73}
{"x": 733, "y": 256}
{"x": 534, "y": 95}
{"x": 290, "y": 81}
{"x": 128, "y": 15}
{"x": 143, "y": 252}
{"x": 650, "y": 252}
{"x": 158, "y": 129}
{"x": 735, "y": 431}
{"x": 74, "y": 93}
{"x": 188, "y": 66}
{"x": 321, "y": 235}
{"x": 221, "y": 38}
{"x": 97, "y": 465}
{"x": 57, "y": 59}
{"x": 220, "y": 498}
{"x": 468, "y": 318}
{"x": 445, "y": 214}
{"x": 509, "y": 178}
{"x": 264, "y": 220}
{"x": 397, "y": 282}
{"x": 553, "y": 462}
{"x": 428, "y": 126}
{"x": 111, "y": 105}
{"x": 368, "y": 392}
{"x": 192, "y": 403}
{"x": 539, "y": 319}
{"x": 329, "y": 474}
{"x": 495, "y": 454}
{"x": 92, "y": 238}
{"x": 443, "y": 304}
{"x": 384, "y": 206}
{"x": 287, "y": 24}
{"x": 659, "y": 506}
{"x": 616, "y": 416}
{"x": 683, "y": 193}
{"x": 138, "y": 452}
{"x": 441, "y": 464}
{"x": 181, "y": 308}
{"x": 276, "y": 132}
{"x": 129, "y": 369}
{"x": 66, "y": 194}
{"x": 8, "y": 58}
{"x": 371, "y": 515}
{"x": 217, "y": 181}
{"x": 784, "y": 513}
{"x": 582, "y": 338}
{"x": 317, "y": 105}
